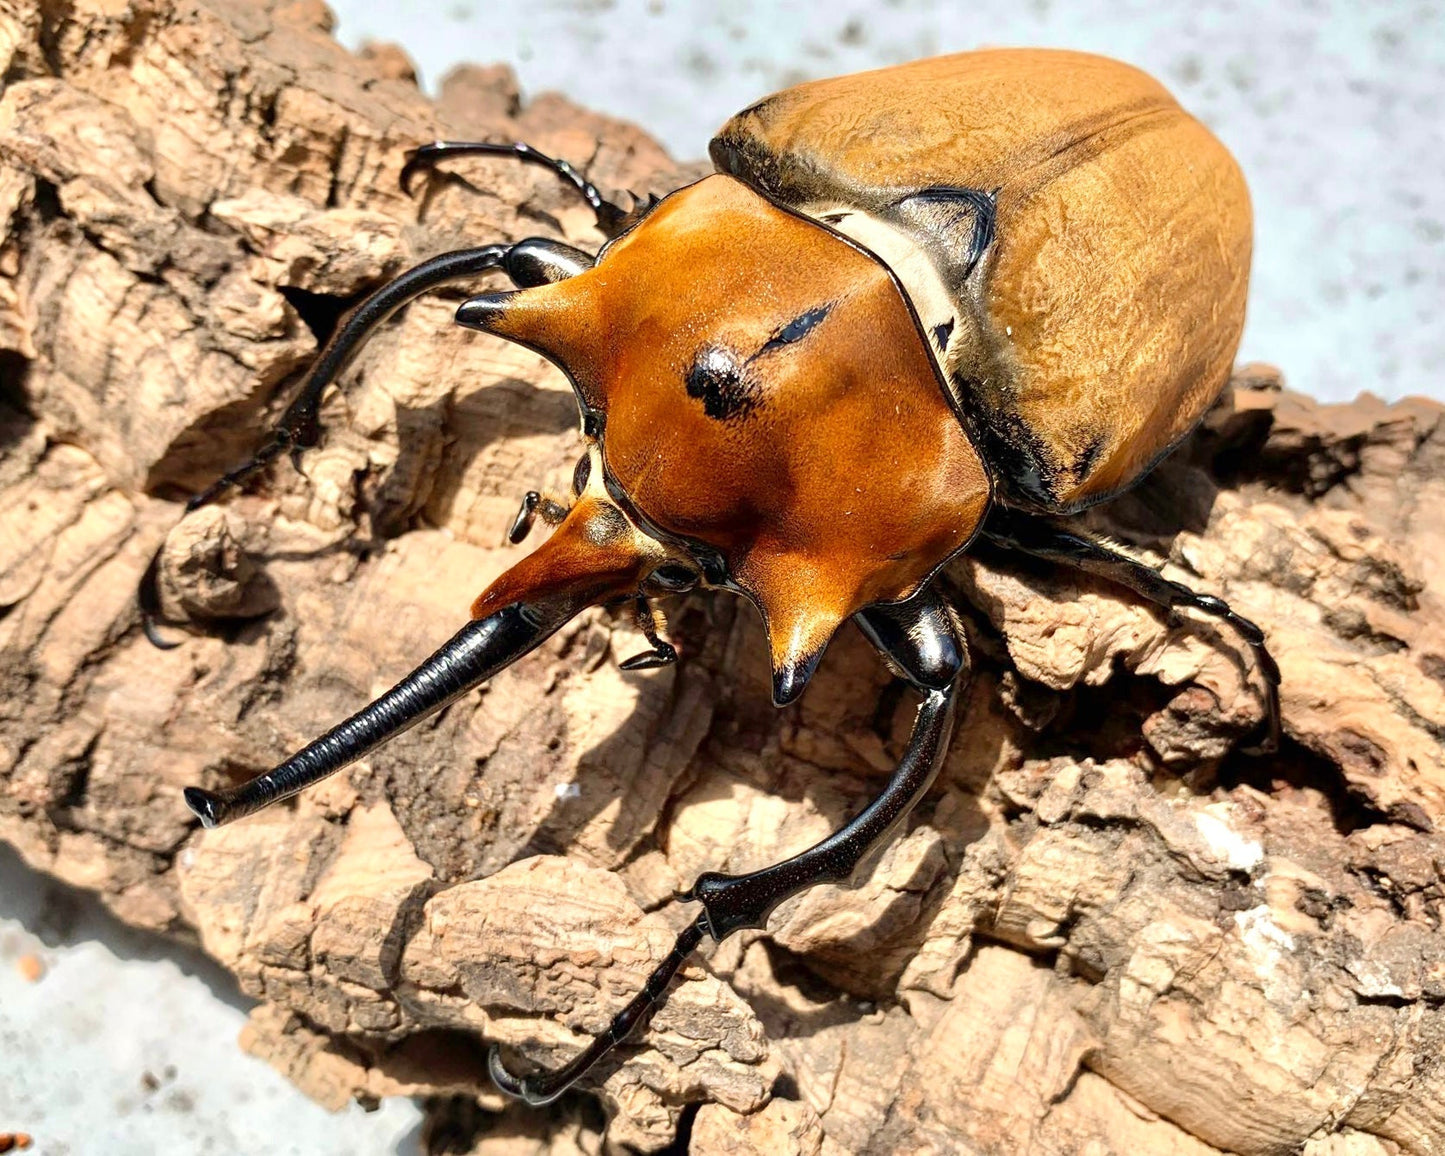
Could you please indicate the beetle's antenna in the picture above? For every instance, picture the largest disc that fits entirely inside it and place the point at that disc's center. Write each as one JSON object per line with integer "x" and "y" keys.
{"x": 609, "y": 216}
{"x": 534, "y": 505}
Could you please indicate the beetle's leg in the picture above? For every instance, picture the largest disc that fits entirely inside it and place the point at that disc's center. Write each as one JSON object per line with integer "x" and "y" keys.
{"x": 474, "y": 654}
{"x": 609, "y": 216}
{"x": 531, "y": 262}
{"x": 535, "y": 261}
{"x": 662, "y": 653}
{"x": 538, "y": 1090}
{"x": 917, "y": 635}
{"x": 1042, "y": 540}
{"x": 300, "y": 426}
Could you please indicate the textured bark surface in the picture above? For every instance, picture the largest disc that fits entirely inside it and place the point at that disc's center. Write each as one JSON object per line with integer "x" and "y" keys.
{"x": 1109, "y": 930}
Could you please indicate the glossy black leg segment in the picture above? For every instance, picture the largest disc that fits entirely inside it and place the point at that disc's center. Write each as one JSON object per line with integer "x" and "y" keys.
{"x": 300, "y": 426}
{"x": 609, "y": 216}
{"x": 1043, "y": 540}
{"x": 733, "y": 902}
{"x": 918, "y": 637}
{"x": 543, "y": 1089}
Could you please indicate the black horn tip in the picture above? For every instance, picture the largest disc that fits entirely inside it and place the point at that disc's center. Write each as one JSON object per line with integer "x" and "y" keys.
{"x": 791, "y": 679}
{"x": 208, "y": 806}
{"x": 483, "y": 311}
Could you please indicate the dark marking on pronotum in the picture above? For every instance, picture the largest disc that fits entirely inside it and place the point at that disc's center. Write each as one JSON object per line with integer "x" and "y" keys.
{"x": 941, "y": 334}
{"x": 721, "y": 384}
{"x": 795, "y": 330}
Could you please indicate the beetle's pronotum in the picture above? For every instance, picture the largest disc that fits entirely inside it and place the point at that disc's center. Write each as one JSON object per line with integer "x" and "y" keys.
{"x": 957, "y": 297}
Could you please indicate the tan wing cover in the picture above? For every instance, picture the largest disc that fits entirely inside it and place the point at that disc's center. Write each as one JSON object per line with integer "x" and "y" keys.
{"x": 1105, "y": 316}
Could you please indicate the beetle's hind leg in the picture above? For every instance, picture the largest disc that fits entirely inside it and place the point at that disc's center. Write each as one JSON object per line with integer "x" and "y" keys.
{"x": 1042, "y": 540}
{"x": 919, "y": 639}
{"x": 611, "y": 218}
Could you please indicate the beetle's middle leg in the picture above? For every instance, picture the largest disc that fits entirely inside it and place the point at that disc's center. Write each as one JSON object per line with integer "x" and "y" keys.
{"x": 919, "y": 639}
{"x": 1043, "y": 540}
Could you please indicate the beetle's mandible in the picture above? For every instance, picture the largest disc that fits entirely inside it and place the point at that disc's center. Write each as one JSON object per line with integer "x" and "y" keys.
{"x": 960, "y": 297}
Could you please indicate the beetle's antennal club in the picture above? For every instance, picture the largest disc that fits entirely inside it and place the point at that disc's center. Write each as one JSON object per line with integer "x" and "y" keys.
{"x": 474, "y": 654}
{"x": 609, "y": 216}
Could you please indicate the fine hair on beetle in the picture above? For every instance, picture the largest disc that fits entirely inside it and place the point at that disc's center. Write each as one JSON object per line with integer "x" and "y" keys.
{"x": 960, "y": 298}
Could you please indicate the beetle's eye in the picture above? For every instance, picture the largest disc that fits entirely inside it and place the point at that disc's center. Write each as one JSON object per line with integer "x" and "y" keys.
{"x": 581, "y": 474}
{"x": 674, "y": 576}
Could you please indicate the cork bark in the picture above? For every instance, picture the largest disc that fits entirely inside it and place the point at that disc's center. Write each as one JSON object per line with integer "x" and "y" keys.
{"x": 1108, "y": 930}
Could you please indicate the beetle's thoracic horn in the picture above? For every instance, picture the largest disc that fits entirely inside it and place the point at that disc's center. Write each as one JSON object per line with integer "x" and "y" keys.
{"x": 559, "y": 320}
{"x": 595, "y": 555}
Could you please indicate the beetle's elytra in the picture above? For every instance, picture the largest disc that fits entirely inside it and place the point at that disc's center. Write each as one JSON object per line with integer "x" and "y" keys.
{"x": 958, "y": 297}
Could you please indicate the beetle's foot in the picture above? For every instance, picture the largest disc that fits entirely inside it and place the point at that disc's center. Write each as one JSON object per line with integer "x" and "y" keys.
{"x": 1268, "y": 668}
{"x": 149, "y": 599}
{"x": 151, "y": 629}
{"x": 546, "y": 1087}
{"x": 662, "y": 653}
{"x": 1269, "y": 741}
{"x": 519, "y": 1088}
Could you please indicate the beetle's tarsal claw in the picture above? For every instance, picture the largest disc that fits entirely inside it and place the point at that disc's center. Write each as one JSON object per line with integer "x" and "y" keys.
{"x": 663, "y": 654}
{"x": 506, "y": 1083}
{"x": 417, "y": 160}
{"x": 154, "y": 636}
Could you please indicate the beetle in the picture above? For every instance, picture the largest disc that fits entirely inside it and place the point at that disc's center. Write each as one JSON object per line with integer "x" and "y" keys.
{"x": 963, "y": 297}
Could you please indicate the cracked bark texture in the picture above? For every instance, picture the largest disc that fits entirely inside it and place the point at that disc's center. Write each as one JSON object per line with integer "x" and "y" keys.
{"x": 1109, "y": 929}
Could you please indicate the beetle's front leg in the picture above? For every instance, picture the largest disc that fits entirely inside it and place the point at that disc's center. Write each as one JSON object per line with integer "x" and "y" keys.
{"x": 535, "y": 261}
{"x": 920, "y": 640}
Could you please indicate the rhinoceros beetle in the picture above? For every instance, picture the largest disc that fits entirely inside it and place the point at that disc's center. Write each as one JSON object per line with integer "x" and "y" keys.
{"x": 965, "y": 296}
